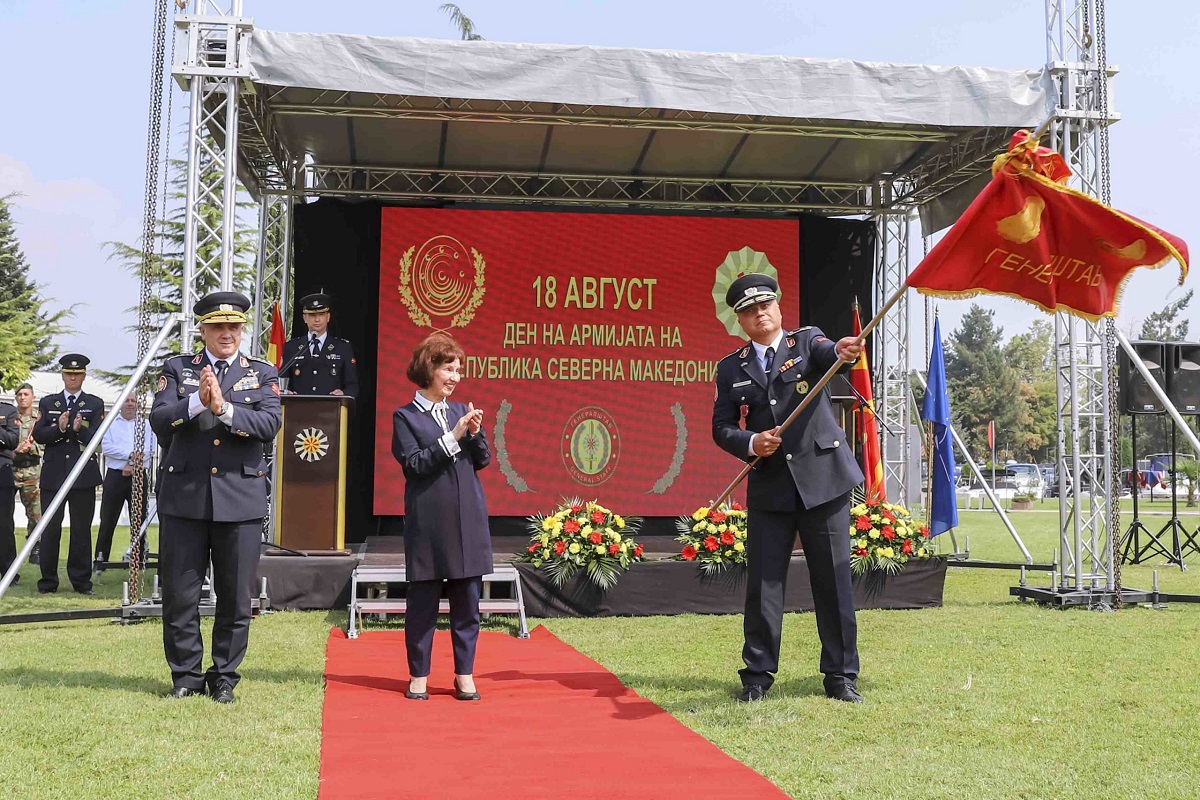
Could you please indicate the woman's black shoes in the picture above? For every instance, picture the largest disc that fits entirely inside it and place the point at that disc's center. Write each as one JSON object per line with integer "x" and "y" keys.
{"x": 459, "y": 694}
{"x": 411, "y": 695}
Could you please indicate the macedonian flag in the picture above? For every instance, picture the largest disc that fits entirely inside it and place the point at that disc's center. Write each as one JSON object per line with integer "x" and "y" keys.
{"x": 866, "y": 426}
{"x": 1029, "y": 236}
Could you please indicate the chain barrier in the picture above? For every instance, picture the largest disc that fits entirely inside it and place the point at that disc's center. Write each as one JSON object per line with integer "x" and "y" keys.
{"x": 150, "y": 264}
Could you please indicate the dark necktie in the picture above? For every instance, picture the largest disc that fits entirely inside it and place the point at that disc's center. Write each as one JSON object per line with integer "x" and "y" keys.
{"x": 71, "y": 403}
{"x": 221, "y": 367}
{"x": 316, "y": 346}
{"x": 769, "y": 361}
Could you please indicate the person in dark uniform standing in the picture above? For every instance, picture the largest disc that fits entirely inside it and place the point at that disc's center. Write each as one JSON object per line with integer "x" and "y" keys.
{"x": 802, "y": 484}
{"x": 318, "y": 363}
{"x": 442, "y": 446}
{"x": 10, "y": 437}
{"x": 214, "y": 411}
{"x": 66, "y": 423}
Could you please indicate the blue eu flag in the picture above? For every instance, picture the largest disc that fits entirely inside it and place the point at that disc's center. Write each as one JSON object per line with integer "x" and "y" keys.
{"x": 936, "y": 409}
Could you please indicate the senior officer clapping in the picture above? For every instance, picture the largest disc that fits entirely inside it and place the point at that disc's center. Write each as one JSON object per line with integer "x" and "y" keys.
{"x": 802, "y": 484}
{"x": 218, "y": 409}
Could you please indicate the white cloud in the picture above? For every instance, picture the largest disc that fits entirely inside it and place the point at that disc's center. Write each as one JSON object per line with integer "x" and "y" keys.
{"x": 62, "y": 226}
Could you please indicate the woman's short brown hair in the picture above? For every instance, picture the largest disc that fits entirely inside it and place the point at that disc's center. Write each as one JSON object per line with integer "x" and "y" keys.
{"x": 437, "y": 349}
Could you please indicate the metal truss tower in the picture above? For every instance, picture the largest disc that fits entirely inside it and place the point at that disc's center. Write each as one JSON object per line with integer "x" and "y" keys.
{"x": 891, "y": 353}
{"x": 210, "y": 63}
{"x": 1085, "y": 352}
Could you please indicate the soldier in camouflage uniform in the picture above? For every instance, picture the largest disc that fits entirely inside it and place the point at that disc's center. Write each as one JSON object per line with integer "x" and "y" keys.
{"x": 27, "y": 462}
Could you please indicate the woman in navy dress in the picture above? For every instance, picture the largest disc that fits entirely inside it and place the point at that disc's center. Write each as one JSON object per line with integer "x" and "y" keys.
{"x": 441, "y": 445}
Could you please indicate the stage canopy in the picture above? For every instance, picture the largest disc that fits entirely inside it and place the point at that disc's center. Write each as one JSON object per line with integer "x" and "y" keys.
{"x": 423, "y": 120}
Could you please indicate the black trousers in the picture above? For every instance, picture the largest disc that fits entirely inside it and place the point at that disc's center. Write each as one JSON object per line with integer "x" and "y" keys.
{"x": 185, "y": 548}
{"x": 420, "y": 619}
{"x": 8, "y": 530}
{"x": 82, "y": 502}
{"x": 825, "y": 533}
{"x": 118, "y": 492}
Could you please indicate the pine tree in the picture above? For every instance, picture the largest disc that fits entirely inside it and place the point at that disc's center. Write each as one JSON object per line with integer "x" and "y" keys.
{"x": 27, "y": 327}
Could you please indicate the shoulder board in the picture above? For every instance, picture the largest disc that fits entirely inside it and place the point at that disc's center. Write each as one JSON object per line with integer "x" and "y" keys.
{"x": 805, "y": 328}
{"x": 741, "y": 352}
{"x": 261, "y": 360}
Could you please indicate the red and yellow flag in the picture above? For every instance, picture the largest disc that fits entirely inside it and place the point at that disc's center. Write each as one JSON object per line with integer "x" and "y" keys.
{"x": 275, "y": 348}
{"x": 866, "y": 426}
{"x": 1029, "y": 236}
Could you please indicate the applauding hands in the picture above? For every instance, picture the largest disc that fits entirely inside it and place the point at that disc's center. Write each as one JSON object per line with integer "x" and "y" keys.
{"x": 210, "y": 391}
{"x": 470, "y": 422}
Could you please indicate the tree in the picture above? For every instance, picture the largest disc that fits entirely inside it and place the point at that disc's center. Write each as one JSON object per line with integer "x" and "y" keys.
{"x": 1161, "y": 325}
{"x": 27, "y": 328}
{"x": 1031, "y": 355}
{"x": 164, "y": 266}
{"x": 984, "y": 387}
{"x": 466, "y": 27}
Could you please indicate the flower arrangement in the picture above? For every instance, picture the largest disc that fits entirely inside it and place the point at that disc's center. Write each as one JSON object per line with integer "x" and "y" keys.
{"x": 715, "y": 538}
{"x": 884, "y": 536}
{"x": 584, "y": 535}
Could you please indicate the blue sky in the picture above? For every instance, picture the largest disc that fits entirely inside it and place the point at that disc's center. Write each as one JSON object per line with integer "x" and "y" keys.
{"x": 72, "y": 140}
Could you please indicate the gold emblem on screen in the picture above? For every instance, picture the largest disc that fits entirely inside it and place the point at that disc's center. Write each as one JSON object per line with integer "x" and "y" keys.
{"x": 736, "y": 264}
{"x": 442, "y": 283}
{"x": 591, "y": 446}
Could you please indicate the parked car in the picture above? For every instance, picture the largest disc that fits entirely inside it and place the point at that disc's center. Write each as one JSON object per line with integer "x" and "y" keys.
{"x": 1027, "y": 478}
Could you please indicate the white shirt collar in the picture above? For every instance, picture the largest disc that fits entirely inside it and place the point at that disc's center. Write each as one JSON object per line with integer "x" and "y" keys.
{"x": 423, "y": 403}
{"x": 760, "y": 350}
{"x": 67, "y": 395}
{"x": 212, "y": 359}
{"x": 320, "y": 338}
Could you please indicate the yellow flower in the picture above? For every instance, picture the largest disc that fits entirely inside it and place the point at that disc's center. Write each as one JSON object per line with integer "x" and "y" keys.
{"x": 700, "y": 514}
{"x": 624, "y": 547}
{"x": 619, "y": 520}
{"x": 699, "y": 526}
{"x": 557, "y": 528}
{"x": 585, "y": 531}
{"x": 876, "y": 518}
{"x": 600, "y": 549}
{"x": 887, "y": 552}
{"x": 858, "y": 510}
{"x": 546, "y": 553}
{"x": 741, "y": 535}
{"x": 722, "y": 528}
{"x": 729, "y": 553}
{"x": 574, "y": 547}
{"x": 545, "y": 538}
{"x": 874, "y": 534}
{"x": 547, "y": 522}
{"x": 711, "y": 528}
{"x": 739, "y": 546}
{"x": 860, "y": 543}
{"x": 616, "y": 537}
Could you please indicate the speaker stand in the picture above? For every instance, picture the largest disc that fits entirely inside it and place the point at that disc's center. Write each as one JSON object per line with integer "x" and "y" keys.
{"x": 1133, "y": 550}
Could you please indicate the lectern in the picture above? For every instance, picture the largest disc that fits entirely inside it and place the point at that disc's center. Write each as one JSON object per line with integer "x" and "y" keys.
{"x": 310, "y": 473}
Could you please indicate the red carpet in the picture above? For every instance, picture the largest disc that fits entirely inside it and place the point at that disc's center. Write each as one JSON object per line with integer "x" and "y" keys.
{"x": 552, "y": 724}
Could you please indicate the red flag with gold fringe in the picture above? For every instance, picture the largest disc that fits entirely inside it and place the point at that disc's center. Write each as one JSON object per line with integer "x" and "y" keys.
{"x": 1029, "y": 236}
{"x": 866, "y": 426}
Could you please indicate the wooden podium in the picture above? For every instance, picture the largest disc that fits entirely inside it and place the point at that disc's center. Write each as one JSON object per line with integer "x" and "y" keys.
{"x": 310, "y": 474}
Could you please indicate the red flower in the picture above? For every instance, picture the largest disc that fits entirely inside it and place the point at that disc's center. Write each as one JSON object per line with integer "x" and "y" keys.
{"x": 595, "y": 537}
{"x": 907, "y": 546}
{"x": 613, "y": 549}
{"x": 727, "y": 537}
{"x": 598, "y": 517}
{"x": 863, "y": 523}
{"x": 889, "y": 516}
{"x": 689, "y": 552}
{"x": 560, "y": 547}
{"x": 710, "y": 543}
{"x": 571, "y": 526}
{"x": 716, "y": 517}
{"x": 637, "y": 551}
{"x": 925, "y": 531}
{"x": 576, "y": 509}
{"x": 736, "y": 506}
{"x": 860, "y": 551}
{"x": 888, "y": 532}
{"x": 533, "y": 548}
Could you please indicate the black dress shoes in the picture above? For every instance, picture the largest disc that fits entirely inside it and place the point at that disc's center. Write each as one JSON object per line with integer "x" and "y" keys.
{"x": 459, "y": 694}
{"x": 411, "y": 695}
{"x": 845, "y": 693}
{"x": 752, "y": 694}
{"x": 222, "y": 692}
{"x": 184, "y": 691}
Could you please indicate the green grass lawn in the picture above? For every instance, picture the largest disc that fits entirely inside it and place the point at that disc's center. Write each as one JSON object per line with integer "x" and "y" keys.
{"x": 984, "y": 698}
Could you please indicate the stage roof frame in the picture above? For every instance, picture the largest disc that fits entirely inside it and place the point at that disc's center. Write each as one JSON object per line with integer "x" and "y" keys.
{"x": 443, "y": 120}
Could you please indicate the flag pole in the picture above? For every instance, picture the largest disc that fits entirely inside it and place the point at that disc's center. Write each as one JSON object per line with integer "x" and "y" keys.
{"x": 825, "y": 379}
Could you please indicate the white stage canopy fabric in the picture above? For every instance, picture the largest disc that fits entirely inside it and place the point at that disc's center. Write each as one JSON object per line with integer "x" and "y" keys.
{"x": 723, "y": 83}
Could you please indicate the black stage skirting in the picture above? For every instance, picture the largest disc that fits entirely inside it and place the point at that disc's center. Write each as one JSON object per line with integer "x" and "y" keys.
{"x": 650, "y": 588}
{"x": 675, "y": 587}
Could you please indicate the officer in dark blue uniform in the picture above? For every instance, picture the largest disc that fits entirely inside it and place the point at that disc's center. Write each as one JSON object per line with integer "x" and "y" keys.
{"x": 318, "y": 363}
{"x": 215, "y": 411}
{"x": 802, "y": 484}
{"x": 10, "y": 437}
{"x": 66, "y": 424}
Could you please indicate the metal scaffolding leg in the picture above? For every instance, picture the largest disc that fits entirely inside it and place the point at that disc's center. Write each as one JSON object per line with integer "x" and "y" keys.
{"x": 891, "y": 355}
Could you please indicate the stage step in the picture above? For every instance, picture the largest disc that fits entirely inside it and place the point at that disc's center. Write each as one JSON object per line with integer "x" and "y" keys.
{"x": 367, "y": 575}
